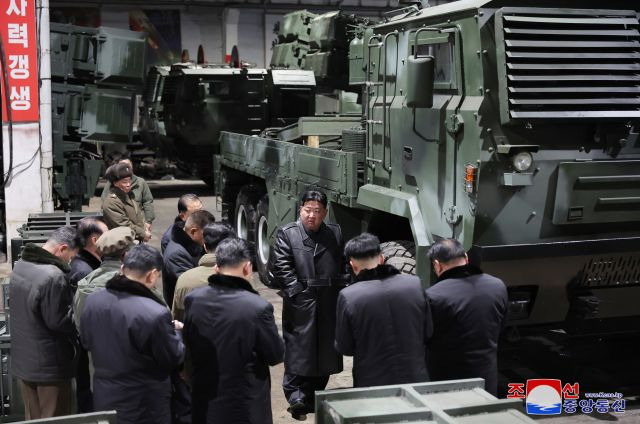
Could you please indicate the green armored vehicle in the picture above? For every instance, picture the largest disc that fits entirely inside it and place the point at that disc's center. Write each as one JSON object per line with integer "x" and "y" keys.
{"x": 95, "y": 75}
{"x": 187, "y": 105}
{"x": 320, "y": 43}
{"x": 509, "y": 125}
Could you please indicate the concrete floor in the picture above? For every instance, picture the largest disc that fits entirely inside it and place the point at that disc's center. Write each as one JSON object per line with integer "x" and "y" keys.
{"x": 166, "y": 194}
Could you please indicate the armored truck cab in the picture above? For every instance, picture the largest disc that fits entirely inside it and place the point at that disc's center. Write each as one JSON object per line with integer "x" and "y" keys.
{"x": 510, "y": 126}
{"x": 187, "y": 107}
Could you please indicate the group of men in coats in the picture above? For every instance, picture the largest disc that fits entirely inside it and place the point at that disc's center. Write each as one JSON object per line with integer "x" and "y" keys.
{"x": 338, "y": 300}
{"x": 396, "y": 331}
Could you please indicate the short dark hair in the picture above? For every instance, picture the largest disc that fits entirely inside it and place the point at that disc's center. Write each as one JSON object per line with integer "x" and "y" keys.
{"x": 232, "y": 251}
{"x": 87, "y": 227}
{"x": 184, "y": 199}
{"x": 314, "y": 193}
{"x": 215, "y": 233}
{"x": 364, "y": 246}
{"x": 446, "y": 250}
{"x": 201, "y": 218}
{"x": 141, "y": 259}
{"x": 65, "y": 235}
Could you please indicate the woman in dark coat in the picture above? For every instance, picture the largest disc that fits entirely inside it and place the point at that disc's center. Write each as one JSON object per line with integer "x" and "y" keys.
{"x": 133, "y": 342}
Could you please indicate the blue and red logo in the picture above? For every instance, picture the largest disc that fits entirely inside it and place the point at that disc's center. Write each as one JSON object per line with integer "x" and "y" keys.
{"x": 547, "y": 396}
{"x": 544, "y": 396}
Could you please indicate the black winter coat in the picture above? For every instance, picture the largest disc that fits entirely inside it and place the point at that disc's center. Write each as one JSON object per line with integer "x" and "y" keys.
{"x": 166, "y": 236}
{"x": 383, "y": 321}
{"x": 181, "y": 254}
{"x": 81, "y": 266}
{"x": 232, "y": 339}
{"x": 309, "y": 313}
{"x": 468, "y": 309}
{"x": 134, "y": 348}
{"x": 43, "y": 335}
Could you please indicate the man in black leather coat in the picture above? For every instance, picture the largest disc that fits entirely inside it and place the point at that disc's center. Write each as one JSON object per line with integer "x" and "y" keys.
{"x": 308, "y": 264}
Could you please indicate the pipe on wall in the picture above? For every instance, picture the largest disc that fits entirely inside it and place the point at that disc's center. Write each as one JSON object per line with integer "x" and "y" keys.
{"x": 46, "y": 149}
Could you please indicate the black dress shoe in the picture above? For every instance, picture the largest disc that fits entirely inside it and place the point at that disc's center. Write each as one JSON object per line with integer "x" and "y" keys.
{"x": 298, "y": 410}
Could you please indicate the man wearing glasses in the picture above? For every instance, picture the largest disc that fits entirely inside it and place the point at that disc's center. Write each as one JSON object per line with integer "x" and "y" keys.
{"x": 308, "y": 264}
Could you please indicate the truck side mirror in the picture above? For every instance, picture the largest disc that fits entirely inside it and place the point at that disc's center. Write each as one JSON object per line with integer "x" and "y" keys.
{"x": 420, "y": 73}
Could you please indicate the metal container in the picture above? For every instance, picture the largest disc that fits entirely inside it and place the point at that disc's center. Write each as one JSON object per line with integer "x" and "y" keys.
{"x": 39, "y": 227}
{"x": 454, "y": 401}
{"x": 106, "y": 417}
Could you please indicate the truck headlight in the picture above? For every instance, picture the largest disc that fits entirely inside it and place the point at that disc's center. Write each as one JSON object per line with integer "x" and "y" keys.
{"x": 522, "y": 161}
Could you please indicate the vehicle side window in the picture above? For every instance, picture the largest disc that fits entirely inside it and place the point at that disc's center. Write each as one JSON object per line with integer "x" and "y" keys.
{"x": 443, "y": 49}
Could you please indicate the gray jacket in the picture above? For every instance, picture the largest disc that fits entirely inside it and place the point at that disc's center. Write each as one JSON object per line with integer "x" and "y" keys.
{"x": 43, "y": 336}
{"x": 95, "y": 281}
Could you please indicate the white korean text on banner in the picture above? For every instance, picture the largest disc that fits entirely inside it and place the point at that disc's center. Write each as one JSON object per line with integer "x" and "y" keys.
{"x": 18, "y": 31}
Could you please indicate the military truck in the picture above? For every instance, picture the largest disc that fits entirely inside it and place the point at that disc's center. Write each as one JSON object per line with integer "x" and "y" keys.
{"x": 509, "y": 125}
{"x": 187, "y": 105}
{"x": 320, "y": 43}
{"x": 95, "y": 76}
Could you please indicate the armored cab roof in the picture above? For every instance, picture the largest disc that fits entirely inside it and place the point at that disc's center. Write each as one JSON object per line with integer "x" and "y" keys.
{"x": 460, "y": 6}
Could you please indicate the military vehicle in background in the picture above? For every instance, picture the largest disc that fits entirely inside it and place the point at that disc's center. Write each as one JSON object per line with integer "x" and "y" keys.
{"x": 95, "y": 76}
{"x": 320, "y": 43}
{"x": 509, "y": 126}
{"x": 187, "y": 105}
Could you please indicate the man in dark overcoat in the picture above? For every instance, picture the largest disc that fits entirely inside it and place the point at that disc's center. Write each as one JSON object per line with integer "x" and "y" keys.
{"x": 232, "y": 339}
{"x": 187, "y": 204}
{"x": 134, "y": 344}
{"x": 90, "y": 228}
{"x": 383, "y": 319}
{"x": 308, "y": 264}
{"x": 43, "y": 337}
{"x": 469, "y": 309}
{"x": 184, "y": 250}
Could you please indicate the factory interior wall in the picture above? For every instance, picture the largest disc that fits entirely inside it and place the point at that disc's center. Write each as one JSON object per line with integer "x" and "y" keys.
{"x": 23, "y": 195}
{"x": 204, "y": 25}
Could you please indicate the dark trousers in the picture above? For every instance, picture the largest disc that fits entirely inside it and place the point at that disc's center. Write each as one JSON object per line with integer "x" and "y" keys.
{"x": 302, "y": 387}
{"x": 84, "y": 397}
{"x": 180, "y": 400}
{"x": 45, "y": 400}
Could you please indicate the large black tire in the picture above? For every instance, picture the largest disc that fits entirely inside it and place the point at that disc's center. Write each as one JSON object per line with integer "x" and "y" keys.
{"x": 400, "y": 254}
{"x": 244, "y": 218}
{"x": 261, "y": 237}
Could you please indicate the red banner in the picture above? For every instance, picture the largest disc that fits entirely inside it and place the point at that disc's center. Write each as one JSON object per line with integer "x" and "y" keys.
{"x": 18, "y": 31}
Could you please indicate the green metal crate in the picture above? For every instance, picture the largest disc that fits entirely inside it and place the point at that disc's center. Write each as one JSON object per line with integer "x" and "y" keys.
{"x": 454, "y": 402}
{"x": 39, "y": 227}
{"x": 106, "y": 417}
